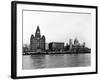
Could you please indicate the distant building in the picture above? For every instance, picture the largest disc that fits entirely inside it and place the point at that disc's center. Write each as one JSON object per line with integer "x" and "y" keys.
{"x": 66, "y": 47}
{"x": 37, "y": 42}
{"x": 26, "y": 48}
{"x": 83, "y": 44}
{"x": 76, "y": 46}
{"x": 76, "y": 43}
{"x": 70, "y": 44}
{"x": 56, "y": 46}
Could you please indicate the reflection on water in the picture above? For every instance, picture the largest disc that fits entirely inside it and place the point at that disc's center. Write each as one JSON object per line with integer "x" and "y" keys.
{"x": 38, "y": 61}
{"x": 55, "y": 61}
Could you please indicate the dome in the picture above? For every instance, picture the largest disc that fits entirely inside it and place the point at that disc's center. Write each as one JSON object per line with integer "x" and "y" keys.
{"x": 43, "y": 37}
{"x": 32, "y": 36}
{"x": 76, "y": 40}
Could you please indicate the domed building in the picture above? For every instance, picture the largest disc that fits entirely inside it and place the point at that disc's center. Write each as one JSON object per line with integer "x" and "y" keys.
{"x": 76, "y": 42}
{"x": 37, "y": 42}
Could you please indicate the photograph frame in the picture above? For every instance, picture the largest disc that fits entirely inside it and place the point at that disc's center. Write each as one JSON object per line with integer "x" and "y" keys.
{"x": 14, "y": 38}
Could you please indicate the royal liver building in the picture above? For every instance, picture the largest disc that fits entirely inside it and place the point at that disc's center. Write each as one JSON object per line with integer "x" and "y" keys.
{"x": 37, "y": 42}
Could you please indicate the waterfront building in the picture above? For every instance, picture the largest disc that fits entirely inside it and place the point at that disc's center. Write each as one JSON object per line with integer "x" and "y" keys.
{"x": 26, "y": 48}
{"x": 66, "y": 47}
{"x": 76, "y": 42}
{"x": 56, "y": 46}
{"x": 70, "y": 44}
{"x": 83, "y": 44}
{"x": 37, "y": 42}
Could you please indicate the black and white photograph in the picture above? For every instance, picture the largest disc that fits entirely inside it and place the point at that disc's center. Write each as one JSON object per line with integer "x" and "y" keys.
{"x": 55, "y": 39}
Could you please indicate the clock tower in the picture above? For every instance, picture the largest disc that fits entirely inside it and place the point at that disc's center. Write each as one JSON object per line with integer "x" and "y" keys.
{"x": 37, "y": 42}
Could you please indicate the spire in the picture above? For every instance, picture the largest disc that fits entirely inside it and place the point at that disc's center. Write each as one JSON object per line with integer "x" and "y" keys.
{"x": 38, "y": 29}
{"x": 37, "y": 33}
{"x": 32, "y": 36}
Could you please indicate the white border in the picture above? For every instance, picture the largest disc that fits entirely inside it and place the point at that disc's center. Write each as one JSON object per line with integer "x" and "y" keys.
{"x": 21, "y": 72}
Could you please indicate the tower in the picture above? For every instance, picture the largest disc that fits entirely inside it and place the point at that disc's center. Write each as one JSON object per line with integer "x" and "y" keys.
{"x": 76, "y": 43}
{"x": 70, "y": 44}
{"x": 37, "y": 33}
{"x": 31, "y": 42}
{"x": 37, "y": 42}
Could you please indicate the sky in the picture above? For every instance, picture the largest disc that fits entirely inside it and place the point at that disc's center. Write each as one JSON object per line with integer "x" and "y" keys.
{"x": 57, "y": 27}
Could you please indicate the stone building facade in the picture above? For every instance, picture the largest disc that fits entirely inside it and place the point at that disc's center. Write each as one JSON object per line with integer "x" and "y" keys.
{"x": 56, "y": 46}
{"x": 37, "y": 42}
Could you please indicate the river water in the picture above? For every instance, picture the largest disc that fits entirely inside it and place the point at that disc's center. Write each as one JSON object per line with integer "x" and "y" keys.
{"x": 55, "y": 61}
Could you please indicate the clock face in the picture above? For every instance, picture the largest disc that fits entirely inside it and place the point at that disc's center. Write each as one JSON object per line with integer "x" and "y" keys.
{"x": 38, "y": 32}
